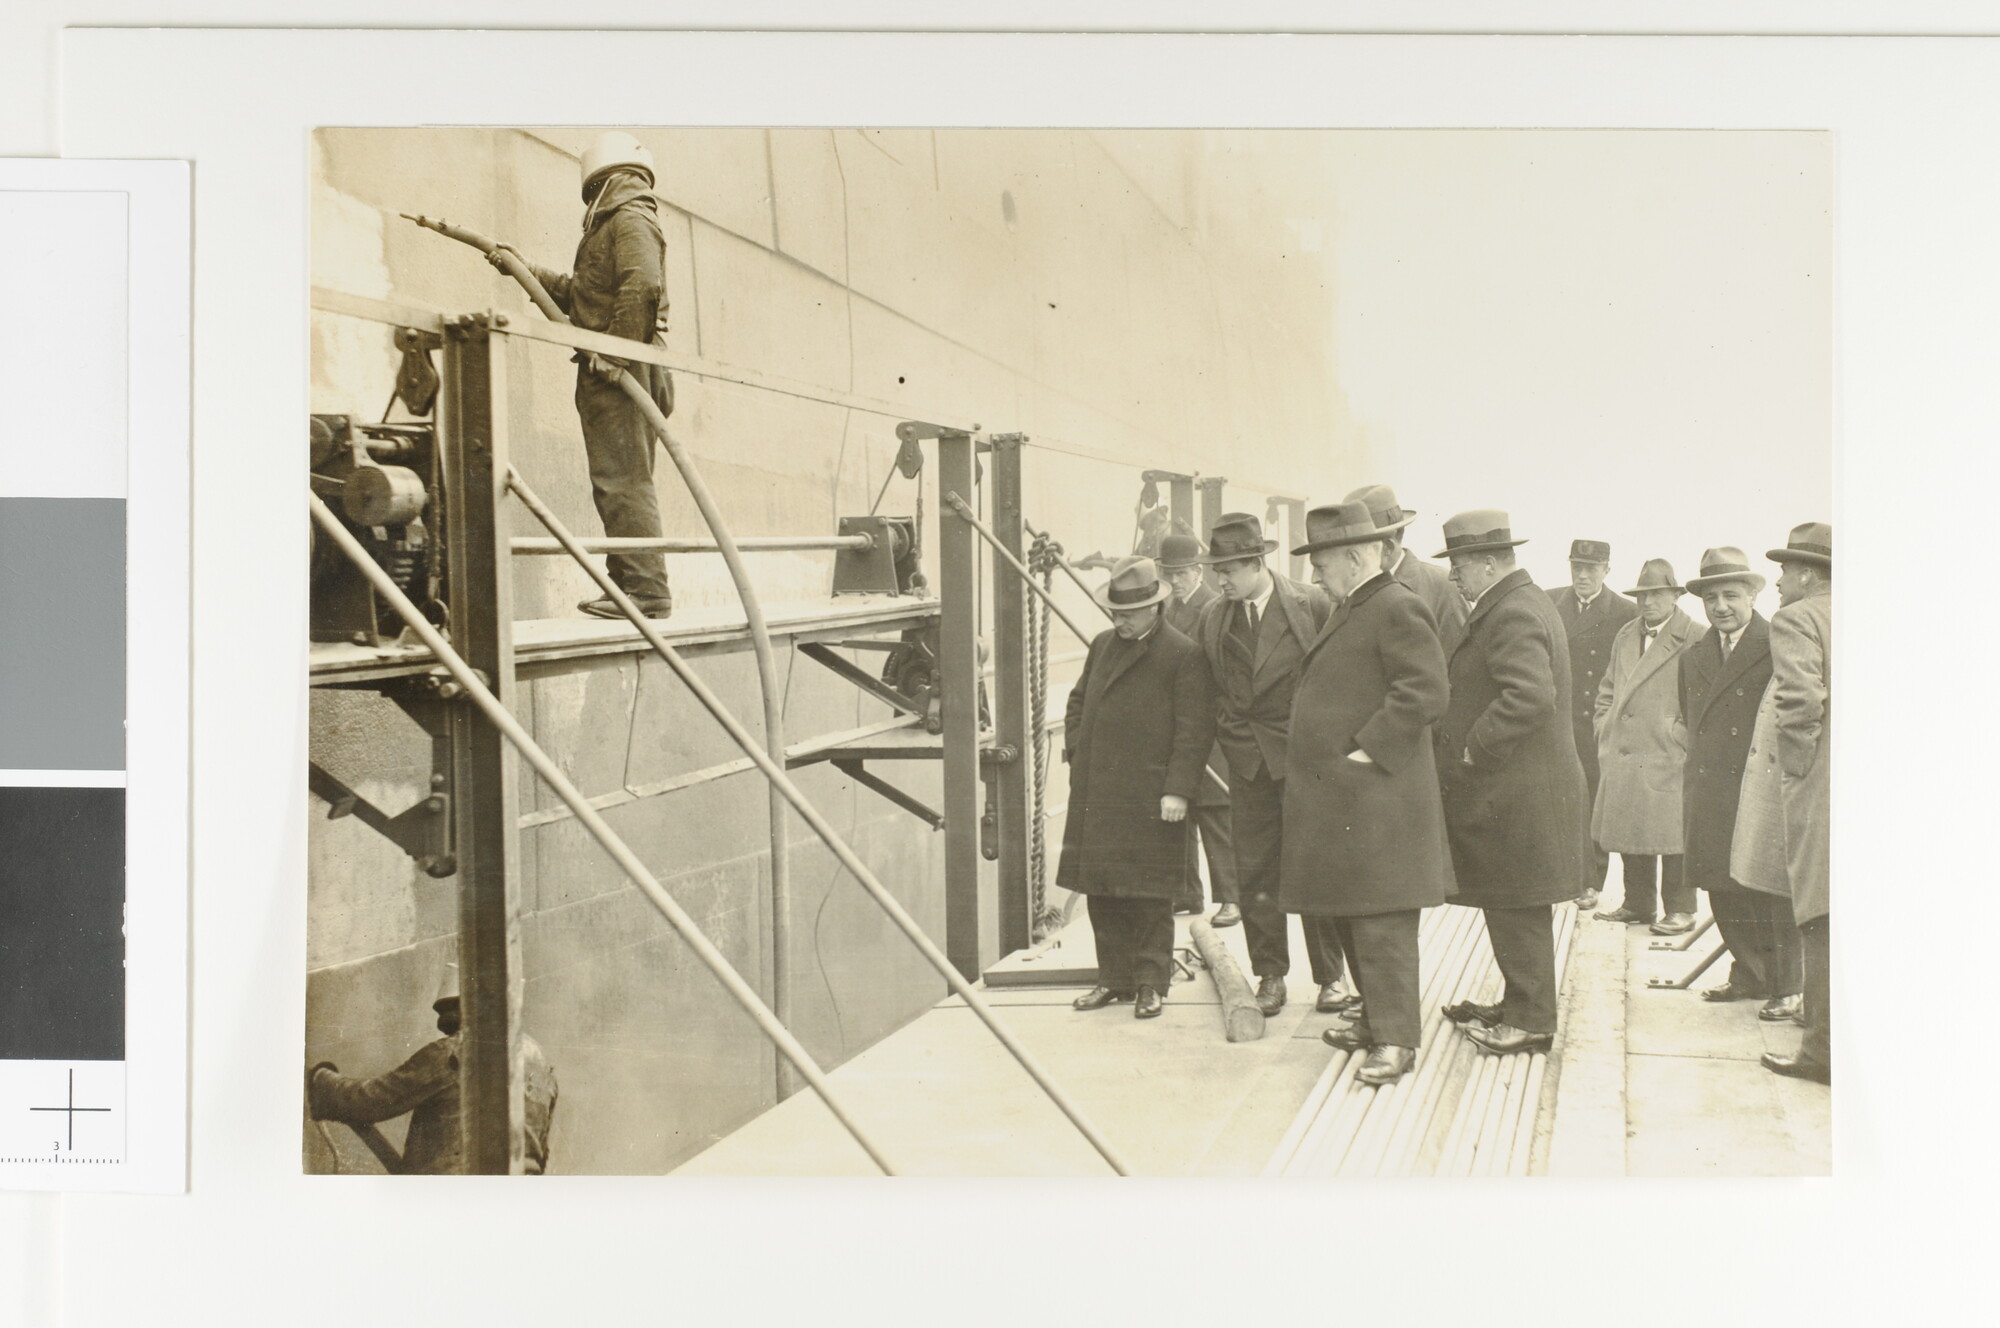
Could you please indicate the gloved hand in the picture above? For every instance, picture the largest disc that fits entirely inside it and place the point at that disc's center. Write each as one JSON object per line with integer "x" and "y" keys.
{"x": 494, "y": 257}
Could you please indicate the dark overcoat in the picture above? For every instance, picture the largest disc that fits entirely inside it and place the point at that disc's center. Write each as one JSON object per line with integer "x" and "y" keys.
{"x": 1251, "y": 721}
{"x": 1591, "y": 632}
{"x": 1514, "y": 798}
{"x": 1140, "y": 722}
{"x": 1185, "y": 618}
{"x": 1360, "y": 838}
{"x": 1719, "y": 712}
{"x": 1433, "y": 586}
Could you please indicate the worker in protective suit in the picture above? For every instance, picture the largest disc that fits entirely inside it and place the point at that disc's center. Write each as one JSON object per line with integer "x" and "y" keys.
{"x": 426, "y": 1086}
{"x": 619, "y": 287}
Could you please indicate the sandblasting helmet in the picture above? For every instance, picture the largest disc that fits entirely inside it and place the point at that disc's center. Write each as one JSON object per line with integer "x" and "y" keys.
{"x": 615, "y": 148}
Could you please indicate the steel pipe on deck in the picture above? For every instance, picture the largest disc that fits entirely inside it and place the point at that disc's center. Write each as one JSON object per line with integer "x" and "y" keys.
{"x": 535, "y": 544}
{"x": 628, "y": 862}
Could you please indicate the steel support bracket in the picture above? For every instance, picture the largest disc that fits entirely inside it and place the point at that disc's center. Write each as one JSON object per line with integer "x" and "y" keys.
{"x": 423, "y": 830}
{"x": 861, "y": 774}
{"x": 889, "y": 696}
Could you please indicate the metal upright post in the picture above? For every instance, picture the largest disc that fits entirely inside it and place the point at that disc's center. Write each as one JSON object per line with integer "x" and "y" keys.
{"x": 958, "y": 660}
{"x": 479, "y": 592}
{"x": 1010, "y": 700}
{"x": 1211, "y": 508}
{"x": 1180, "y": 502}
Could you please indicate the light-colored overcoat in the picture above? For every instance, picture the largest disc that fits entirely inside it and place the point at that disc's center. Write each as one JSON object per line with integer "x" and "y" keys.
{"x": 1640, "y": 745}
{"x": 1367, "y": 837}
{"x": 1782, "y": 819}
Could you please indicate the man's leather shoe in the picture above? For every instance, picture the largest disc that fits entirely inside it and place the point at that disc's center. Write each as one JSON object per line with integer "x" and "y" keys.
{"x": 1226, "y": 916}
{"x": 1729, "y": 991}
{"x": 1623, "y": 914}
{"x": 1797, "y": 1067}
{"x": 1586, "y": 901}
{"x": 1352, "y": 1037}
{"x": 606, "y": 607}
{"x": 1270, "y": 994}
{"x": 1505, "y": 1039}
{"x": 1469, "y": 1012}
{"x": 1780, "y": 1008}
{"x": 1146, "y": 1005}
{"x": 1332, "y": 1000}
{"x": 1099, "y": 997}
{"x": 1674, "y": 924}
{"x": 1386, "y": 1064}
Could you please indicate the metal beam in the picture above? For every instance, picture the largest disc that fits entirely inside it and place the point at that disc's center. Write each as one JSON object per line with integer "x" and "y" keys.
{"x": 535, "y": 544}
{"x": 484, "y": 802}
{"x": 1010, "y": 698}
{"x": 860, "y": 774}
{"x": 875, "y": 687}
{"x": 958, "y": 659}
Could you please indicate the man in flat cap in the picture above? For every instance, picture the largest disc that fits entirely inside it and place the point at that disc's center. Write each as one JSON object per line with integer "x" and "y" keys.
{"x": 1139, "y": 724}
{"x": 1781, "y": 837}
{"x": 1722, "y": 681}
{"x": 1513, "y": 788}
{"x": 1180, "y": 568}
{"x": 1255, "y": 638}
{"x": 1431, "y": 582}
{"x": 426, "y": 1088}
{"x": 1365, "y": 843}
{"x": 1591, "y": 615}
{"x": 1636, "y": 812}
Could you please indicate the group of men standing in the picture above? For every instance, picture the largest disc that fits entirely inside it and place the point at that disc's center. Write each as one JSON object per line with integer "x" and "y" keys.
{"x": 1396, "y": 735}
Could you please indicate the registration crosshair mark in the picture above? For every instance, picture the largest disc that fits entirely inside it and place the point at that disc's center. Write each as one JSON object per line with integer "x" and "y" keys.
{"x": 71, "y": 1109}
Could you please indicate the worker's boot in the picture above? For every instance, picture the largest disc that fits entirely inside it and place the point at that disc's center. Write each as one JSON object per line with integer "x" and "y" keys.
{"x": 606, "y": 607}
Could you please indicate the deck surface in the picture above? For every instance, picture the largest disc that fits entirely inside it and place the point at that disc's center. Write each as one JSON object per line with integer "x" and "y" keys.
{"x": 1641, "y": 1082}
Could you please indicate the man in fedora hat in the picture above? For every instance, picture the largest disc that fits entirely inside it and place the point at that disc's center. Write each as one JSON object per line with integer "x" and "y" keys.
{"x": 1431, "y": 582}
{"x": 426, "y": 1086}
{"x": 1180, "y": 567}
{"x": 1512, "y": 785}
{"x": 617, "y": 285}
{"x": 1140, "y": 723}
{"x": 1636, "y": 811}
{"x": 1255, "y": 638}
{"x": 1365, "y": 844}
{"x": 1592, "y": 615}
{"x": 1722, "y": 681}
{"x": 1781, "y": 823}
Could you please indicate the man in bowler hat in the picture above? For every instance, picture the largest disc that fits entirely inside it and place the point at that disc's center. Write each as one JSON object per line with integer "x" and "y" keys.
{"x": 1636, "y": 811}
{"x": 1592, "y": 615}
{"x": 1180, "y": 567}
{"x": 1722, "y": 681}
{"x": 1365, "y": 843}
{"x": 1513, "y": 788}
{"x": 1255, "y": 638}
{"x": 1139, "y": 725}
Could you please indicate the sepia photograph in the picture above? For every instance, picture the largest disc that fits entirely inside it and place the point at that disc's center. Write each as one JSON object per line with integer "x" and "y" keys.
{"x": 1069, "y": 652}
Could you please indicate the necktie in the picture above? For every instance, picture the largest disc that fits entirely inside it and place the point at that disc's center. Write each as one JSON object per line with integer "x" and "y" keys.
{"x": 1250, "y": 618}
{"x": 1727, "y": 645}
{"x": 1242, "y": 635}
{"x": 1646, "y": 639}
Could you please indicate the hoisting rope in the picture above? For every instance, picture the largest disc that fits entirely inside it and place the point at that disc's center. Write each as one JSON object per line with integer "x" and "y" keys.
{"x": 1042, "y": 558}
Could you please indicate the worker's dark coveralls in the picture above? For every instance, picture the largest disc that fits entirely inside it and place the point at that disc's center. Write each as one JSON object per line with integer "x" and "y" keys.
{"x": 426, "y": 1086}
{"x": 619, "y": 287}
